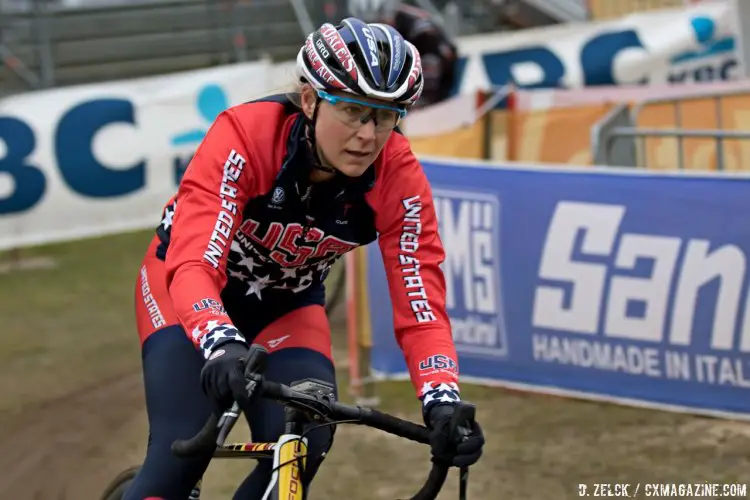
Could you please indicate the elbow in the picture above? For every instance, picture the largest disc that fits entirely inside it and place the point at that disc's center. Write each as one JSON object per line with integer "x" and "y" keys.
{"x": 171, "y": 268}
{"x": 427, "y": 333}
{"x": 181, "y": 275}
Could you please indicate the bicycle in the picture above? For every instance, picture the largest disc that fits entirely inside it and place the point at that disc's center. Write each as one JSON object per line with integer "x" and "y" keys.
{"x": 308, "y": 401}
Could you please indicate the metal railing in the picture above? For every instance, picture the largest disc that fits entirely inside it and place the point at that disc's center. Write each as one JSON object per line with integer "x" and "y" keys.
{"x": 43, "y": 43}
{"x": 46, "y": 43}
{"x": 621, "y": 125}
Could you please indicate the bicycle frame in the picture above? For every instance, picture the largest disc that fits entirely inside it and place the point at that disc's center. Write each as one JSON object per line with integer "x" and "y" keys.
{"x": 310, "y": 401}
{"x": 288, "y": 464}
{"x": 288, "y": 455}
{"x": 306, "y": 401}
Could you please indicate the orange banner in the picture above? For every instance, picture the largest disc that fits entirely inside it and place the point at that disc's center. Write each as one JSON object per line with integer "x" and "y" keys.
{"x": 465, "y": 142}
{"x": 563, "y": 134}
{"x": 559, "y": 135}
{"x": 708, "y": 113}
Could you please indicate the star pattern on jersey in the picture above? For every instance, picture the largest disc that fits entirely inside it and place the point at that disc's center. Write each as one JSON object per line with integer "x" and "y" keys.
{"x": 237, "y": 275}
{"x": 433, "y": 393}
{"x": 166, "y": 221}
{"x": 213, "y": 334}
{"x": 258, "y": 272}
{"x": 249, "y": 263}
{"x": 256, "y": 286}
{"x": 289, "y": 272}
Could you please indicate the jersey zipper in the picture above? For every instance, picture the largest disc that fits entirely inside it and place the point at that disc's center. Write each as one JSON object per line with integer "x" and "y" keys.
{"x": 308, "y": 218}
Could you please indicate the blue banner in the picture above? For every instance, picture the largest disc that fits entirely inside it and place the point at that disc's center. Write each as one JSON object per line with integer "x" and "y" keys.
{"x": 631, "y": 50}
{"x": 607, "y": 283}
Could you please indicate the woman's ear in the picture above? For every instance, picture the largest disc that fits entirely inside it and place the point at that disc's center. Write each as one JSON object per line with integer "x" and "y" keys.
{"x": 308, "y": 101}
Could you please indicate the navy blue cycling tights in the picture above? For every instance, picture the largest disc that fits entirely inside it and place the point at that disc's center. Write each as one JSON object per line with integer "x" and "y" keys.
{"x": 177, "y": 408}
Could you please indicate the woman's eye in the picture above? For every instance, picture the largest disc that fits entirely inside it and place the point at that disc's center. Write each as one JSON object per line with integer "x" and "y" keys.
{"x": 387, "y": 116}
{"x": 354, "y": 110}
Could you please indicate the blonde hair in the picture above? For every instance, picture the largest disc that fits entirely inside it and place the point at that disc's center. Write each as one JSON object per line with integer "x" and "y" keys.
{"x": 294, "y": 92}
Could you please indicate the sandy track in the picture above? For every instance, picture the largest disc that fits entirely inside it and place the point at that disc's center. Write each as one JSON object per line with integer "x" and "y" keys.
{"x": 56, "y": 451}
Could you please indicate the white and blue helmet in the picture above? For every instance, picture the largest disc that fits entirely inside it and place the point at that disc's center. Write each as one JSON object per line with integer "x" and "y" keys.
{"x": 371, "y": 60}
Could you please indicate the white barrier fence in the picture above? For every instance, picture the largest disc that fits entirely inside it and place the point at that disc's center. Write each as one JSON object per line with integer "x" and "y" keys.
{"x": 101, "y": 158}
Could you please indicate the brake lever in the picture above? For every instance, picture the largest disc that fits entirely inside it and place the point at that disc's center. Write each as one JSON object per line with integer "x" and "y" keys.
{"x": 257, "y": 360}
{"x": 463, "y": 482}
{"x": 461, "y": 420}
{"x": 461, "y": 423}
{"x": 226, "y": 422}
{"x": 255, "y": 365}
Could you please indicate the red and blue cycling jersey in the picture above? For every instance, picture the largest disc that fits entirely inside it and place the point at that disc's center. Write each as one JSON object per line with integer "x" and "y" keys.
{"x": 246, "y": 221}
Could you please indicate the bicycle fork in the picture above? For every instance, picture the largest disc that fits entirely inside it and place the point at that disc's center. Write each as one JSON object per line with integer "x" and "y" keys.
{"x": 289, "y": 460}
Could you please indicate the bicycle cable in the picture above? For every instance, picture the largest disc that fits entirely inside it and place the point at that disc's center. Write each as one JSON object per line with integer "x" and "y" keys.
{"x": 305, "y": 433}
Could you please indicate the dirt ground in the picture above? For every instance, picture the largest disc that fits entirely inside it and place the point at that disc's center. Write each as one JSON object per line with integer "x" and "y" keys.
{"x": 71, "y": 410}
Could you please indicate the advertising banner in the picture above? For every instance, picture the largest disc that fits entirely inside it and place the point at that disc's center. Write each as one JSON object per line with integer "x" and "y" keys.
{"x": 615, "y": 285}
{"x": 101, "y": 158}
{"x": 695, "y": 44}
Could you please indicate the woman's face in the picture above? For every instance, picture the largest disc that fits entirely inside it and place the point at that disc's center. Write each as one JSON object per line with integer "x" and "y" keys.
{"x": 343, "y": 141}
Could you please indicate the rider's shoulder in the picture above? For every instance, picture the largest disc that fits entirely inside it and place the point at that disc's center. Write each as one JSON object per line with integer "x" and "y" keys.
{"x": 397, "y": 157}
{"x": 397, "y": 144}
{"x": 265, "y": 118}
{"x": 262, "y": 113}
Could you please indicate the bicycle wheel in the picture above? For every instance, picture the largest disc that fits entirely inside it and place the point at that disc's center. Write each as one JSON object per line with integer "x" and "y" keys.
{"x": 120, "y": 484}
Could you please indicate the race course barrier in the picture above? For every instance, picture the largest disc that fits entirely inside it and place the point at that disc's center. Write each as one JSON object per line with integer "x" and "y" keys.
{"x": 611, "y": 284}
{"x": 555, "y": 125}
{"x": 95, "y": 159}
{"x": 702, "y": 46}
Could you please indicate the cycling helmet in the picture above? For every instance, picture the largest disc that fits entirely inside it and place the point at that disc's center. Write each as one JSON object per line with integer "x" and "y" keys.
{"x": 372, "y": 10}
{"x": 371, "y": 60}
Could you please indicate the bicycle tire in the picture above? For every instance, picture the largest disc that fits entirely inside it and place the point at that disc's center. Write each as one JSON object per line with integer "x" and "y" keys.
{"x": 120, "y": 484}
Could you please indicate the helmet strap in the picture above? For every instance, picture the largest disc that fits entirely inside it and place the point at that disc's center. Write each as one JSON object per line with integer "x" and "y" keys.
{"x": 310, "y": 135}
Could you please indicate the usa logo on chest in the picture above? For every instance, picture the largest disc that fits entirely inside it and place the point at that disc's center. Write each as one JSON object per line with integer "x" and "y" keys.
{"x": 285, "y": 256}
{"x": 292, "y": 245}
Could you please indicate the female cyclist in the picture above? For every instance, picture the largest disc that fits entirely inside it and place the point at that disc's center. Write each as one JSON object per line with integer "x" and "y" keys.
{"x": 277, "y": 191}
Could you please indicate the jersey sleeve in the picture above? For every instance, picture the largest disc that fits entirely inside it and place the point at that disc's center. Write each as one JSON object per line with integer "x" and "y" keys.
{"x": 412, "y": 253}
{"x": 208, "y": 209}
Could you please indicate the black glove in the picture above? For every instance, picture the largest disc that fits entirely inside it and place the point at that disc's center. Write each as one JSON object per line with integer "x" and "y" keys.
{"x": 223, "y": 375}
{"x": 453, "y": 443}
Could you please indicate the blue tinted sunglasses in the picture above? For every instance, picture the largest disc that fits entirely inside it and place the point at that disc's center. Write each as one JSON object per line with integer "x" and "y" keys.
{"x": 333, "y": 99}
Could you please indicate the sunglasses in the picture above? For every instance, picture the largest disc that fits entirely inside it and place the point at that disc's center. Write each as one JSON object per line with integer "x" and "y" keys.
{"x": 355, "y": 113}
